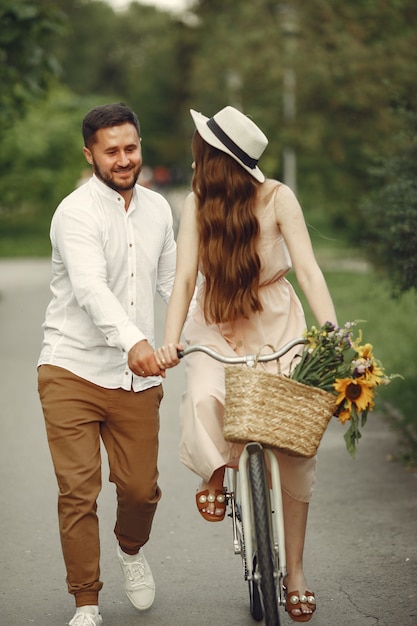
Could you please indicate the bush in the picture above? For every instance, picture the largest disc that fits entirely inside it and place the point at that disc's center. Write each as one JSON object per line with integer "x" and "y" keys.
{"x": 391, "y": 213}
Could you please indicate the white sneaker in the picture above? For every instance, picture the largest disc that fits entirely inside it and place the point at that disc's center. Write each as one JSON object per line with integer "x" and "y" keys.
{"x": 85, "y": 618}
{"x": 139, "y": 582}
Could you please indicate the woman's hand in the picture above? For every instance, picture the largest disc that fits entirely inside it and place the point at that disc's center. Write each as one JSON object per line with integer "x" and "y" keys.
{"x": 167, "y": 356}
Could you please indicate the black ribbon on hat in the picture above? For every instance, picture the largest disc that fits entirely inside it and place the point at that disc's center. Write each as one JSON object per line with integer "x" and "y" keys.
{"x": 231, "y": 145}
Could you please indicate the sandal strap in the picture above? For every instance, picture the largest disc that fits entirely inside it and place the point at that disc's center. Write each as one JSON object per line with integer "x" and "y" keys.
{"x": 205, "y": 497}
{"x": 294, "y": 600}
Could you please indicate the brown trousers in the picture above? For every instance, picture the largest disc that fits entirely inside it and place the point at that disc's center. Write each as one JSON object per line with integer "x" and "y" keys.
{"x": 77, "y": 413}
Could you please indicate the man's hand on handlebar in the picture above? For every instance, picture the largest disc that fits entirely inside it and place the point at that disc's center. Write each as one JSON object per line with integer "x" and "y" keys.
{"x": 142, "y": 361}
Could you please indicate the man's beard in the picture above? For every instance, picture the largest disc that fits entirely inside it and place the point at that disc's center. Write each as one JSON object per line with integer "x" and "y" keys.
{"x": 110, "y": 183}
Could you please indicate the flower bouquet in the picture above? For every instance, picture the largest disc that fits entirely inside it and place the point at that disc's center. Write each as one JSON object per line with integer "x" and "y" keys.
{"x": 336, "y": 362}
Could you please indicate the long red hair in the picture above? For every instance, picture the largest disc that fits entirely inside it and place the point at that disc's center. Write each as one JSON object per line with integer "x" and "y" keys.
{"x": 228, "y": 231}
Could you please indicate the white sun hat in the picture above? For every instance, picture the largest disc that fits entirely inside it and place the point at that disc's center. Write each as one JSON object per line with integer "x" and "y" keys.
{"x": 235, "y": 134}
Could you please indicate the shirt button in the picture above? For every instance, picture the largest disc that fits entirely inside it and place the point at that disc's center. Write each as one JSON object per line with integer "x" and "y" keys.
{"x": 132, "y": 275}
{"x": 239, "y": 343}
{"x": 126, "y": 373}
{"x": 132, "y": 303}
{"x": 131, "y": 245}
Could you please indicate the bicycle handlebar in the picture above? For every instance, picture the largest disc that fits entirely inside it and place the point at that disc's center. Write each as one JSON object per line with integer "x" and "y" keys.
{"x": 248, "y": 359}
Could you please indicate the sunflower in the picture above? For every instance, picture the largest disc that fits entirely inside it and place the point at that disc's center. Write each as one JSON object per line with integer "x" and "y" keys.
{"x": 333, "y": 360}
{"x": 372, "y": 373}
{"x": 354, "y": 391}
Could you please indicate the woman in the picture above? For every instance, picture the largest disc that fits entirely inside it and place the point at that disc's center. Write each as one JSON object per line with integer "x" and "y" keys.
{"x": 240, "y": 233}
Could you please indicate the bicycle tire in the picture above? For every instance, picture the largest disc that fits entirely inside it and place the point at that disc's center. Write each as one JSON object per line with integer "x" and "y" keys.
{"x": 261, "y": 514}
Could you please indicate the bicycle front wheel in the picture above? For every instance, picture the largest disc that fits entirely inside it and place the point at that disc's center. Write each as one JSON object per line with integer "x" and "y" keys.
{"x": 264, "y": 545}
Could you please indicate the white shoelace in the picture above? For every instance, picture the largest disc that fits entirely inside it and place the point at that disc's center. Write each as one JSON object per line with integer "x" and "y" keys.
{"x": 135, "y": 572}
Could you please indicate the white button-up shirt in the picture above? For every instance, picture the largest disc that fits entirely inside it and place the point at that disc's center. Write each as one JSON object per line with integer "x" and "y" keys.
{"x": 107, "y": 265}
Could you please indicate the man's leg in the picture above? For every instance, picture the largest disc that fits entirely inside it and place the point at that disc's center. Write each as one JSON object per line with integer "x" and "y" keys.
{"x": 73, "y": 411}
{"x": 131, "y": 438}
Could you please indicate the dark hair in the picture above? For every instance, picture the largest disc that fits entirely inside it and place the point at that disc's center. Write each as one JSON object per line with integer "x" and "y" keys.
{"x": 105, "y": 116}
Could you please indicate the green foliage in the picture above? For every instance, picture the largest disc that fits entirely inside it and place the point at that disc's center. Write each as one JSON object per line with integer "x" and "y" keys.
{"x": 26, "y": 65}
{"x": 391, "y": 212}
{"x": 48, "y": 143}
{"x": 355, "y": 64}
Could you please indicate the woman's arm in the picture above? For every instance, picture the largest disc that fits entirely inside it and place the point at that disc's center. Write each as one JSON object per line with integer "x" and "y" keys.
{"x": 184, "y": 285}
{"x": 292, "y": 224}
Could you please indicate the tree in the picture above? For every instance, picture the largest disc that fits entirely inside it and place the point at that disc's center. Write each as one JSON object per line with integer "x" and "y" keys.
{"x": 26, "y": 66}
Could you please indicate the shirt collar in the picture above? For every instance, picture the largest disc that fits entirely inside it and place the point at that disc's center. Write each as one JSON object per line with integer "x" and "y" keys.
{"x": 105, "y": 189}
{"x": 113, "y": 195}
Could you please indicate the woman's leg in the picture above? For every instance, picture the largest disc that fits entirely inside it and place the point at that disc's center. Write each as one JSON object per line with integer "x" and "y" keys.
{"x": 295, "y": 523}
{"x": 298, "y": 476}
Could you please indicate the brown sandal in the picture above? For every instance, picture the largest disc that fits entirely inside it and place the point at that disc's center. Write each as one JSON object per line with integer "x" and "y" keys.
{"x": 205, "y": 498}
{"x": 294, "y": 601}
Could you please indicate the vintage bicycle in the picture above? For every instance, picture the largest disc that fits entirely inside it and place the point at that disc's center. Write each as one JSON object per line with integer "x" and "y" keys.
{"x": 253, "y": 498}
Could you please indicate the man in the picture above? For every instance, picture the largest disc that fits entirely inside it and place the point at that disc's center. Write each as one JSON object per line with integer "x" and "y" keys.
{"x": 112, "y": 249}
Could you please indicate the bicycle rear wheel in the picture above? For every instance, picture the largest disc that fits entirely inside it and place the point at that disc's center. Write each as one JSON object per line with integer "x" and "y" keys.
{"x": 264, "y": 546}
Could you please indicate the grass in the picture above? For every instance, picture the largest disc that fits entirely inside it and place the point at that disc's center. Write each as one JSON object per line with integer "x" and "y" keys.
{"x": 24, "y": 234}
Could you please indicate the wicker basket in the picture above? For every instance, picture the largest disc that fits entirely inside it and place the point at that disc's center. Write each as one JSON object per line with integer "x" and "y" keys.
{"x": 275, "y": 410}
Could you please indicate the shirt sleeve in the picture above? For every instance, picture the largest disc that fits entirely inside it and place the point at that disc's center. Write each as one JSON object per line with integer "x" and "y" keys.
{"x": 166, "y": 265}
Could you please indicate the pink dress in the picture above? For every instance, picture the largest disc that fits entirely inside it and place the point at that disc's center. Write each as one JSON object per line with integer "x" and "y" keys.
{"x": 202, "y": 446}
